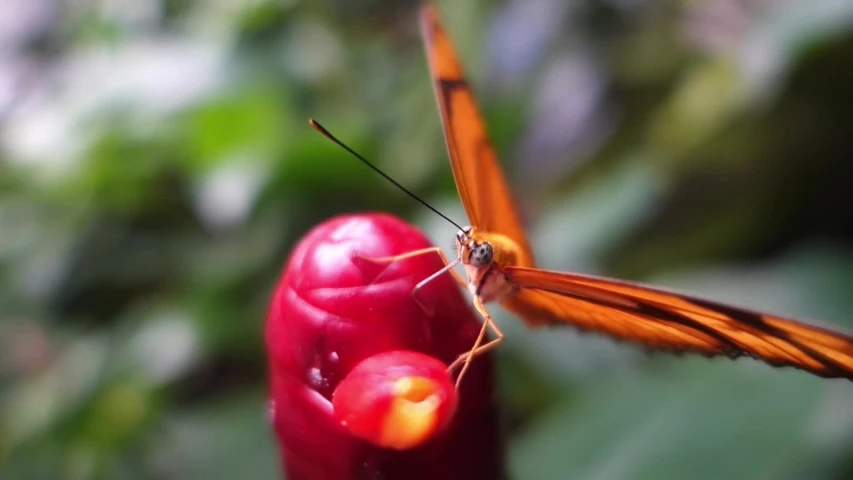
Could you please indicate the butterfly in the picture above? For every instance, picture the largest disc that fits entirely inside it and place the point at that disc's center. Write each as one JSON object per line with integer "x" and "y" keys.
{"x": 499, "y": 263}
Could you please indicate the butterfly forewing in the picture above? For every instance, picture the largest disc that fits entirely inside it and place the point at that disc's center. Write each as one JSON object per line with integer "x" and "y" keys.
{"x": 479, "y": 179}
{"x": 672, "y": 321}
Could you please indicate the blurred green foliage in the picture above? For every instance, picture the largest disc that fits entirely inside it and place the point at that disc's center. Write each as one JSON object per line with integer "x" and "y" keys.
{"x": 156, "y": 167}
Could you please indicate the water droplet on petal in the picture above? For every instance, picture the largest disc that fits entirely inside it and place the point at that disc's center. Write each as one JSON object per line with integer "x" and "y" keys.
{"x": 315, "y": 378}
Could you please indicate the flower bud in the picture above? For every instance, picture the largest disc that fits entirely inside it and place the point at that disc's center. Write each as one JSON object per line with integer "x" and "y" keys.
{"x": 358, "y": 382}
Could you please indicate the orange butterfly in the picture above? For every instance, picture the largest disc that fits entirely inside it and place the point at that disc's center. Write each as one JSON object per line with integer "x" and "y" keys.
{"x": 499, "y": 263}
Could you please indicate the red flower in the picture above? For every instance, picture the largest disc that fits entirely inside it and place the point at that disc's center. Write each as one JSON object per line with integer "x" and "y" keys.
{"x": 351, "y": 397}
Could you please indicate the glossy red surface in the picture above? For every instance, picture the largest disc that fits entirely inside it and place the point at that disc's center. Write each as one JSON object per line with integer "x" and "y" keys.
{"x": 333, "y": 309}
{"x": 396, "y": 399}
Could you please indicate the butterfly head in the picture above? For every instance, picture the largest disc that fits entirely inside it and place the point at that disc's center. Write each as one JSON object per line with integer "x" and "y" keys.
{"x": 481, "y": 255}
{"x": 473, "y": 252}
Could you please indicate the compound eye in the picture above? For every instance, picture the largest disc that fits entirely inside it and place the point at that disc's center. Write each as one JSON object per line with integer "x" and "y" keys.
{"x": 481, "y": 255}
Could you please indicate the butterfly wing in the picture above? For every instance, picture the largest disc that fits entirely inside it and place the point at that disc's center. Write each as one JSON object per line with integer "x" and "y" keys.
{"x": 671, "y": 321}
{"x": 479, "y": 179}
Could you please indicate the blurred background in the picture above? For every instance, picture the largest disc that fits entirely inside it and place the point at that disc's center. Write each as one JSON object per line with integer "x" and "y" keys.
{"x": 156, "y": 167}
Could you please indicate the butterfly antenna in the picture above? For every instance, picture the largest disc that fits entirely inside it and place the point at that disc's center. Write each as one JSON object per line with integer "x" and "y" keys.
{"x": 316, "y": 125}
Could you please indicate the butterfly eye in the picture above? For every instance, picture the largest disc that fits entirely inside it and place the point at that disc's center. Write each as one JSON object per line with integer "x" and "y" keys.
{"x": 481, "y": 255}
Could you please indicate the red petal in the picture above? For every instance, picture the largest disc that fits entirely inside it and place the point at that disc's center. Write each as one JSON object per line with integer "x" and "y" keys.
{"x": 398, "y": 399}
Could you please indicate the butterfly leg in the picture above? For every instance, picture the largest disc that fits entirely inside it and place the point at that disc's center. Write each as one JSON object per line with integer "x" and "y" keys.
{"x": 403, "y": 256}
{"x": 448, "y": 265}
{"x": 478, "y": 349}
